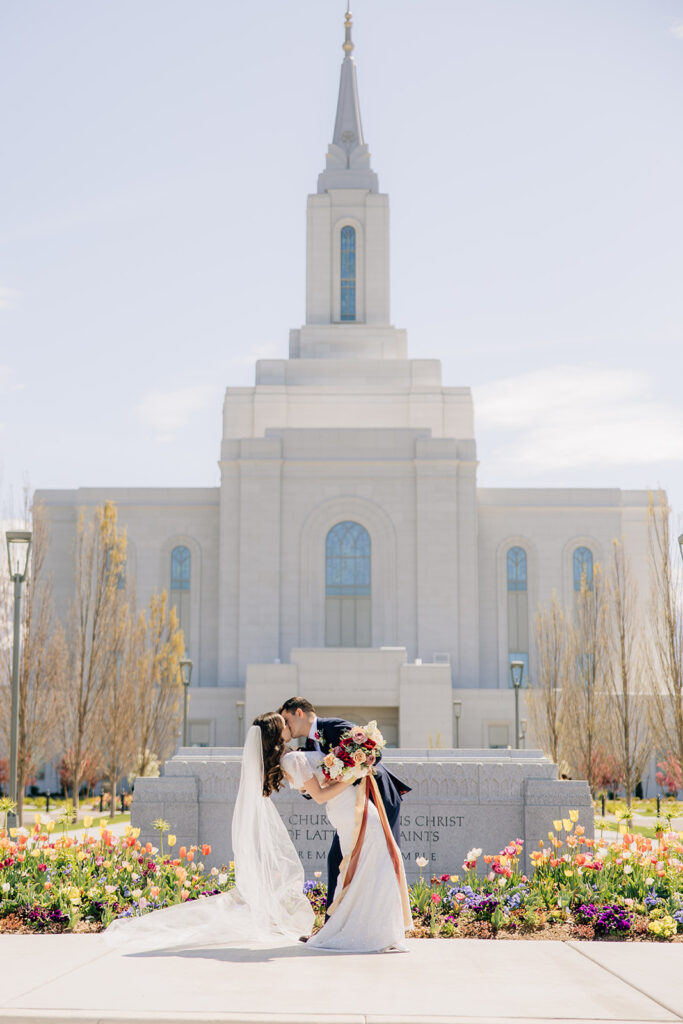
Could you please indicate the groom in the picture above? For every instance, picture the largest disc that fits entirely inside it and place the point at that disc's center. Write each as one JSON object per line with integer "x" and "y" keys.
{"x": 323, "y": 734}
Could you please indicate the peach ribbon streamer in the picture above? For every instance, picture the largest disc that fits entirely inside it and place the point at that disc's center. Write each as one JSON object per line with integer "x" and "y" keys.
{"x": 369, "y": 790}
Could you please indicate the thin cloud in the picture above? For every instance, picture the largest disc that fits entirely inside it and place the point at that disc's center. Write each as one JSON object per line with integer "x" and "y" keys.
{"x": 8, "y": 298}
{"x": 677, "y": 30}
{"x": 166, "y": 412}
{"x": 579, "y": 416}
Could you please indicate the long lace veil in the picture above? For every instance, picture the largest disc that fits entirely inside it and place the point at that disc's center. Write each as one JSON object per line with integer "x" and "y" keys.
{"x": 267, "y": 903}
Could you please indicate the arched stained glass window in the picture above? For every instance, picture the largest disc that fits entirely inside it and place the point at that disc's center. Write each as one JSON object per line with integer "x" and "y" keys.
{"x": 583, "y": 563}
{"x": 181, "y": 562}
{"x": 516, "y": 569}
{"x": 518, "y": 610}
{"x": 348, "y": 274}
{"x": 181, "y": 568}
{"x": 347, "y": 586}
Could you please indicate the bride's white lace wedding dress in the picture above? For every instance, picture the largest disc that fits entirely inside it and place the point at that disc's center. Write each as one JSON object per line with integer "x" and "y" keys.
{"x": 371, "y": 914}
{"x": 267, "y": 904}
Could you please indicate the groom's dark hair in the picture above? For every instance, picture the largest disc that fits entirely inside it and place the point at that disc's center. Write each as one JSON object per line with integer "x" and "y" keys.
{"x": 297, "y": 702}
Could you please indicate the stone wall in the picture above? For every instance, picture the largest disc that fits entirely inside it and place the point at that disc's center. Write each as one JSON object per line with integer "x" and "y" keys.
{"x": 459, "y": 799}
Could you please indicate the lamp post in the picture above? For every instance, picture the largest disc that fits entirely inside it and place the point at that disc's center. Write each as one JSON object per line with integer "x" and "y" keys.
{"x": 457, "y": 711}
{"x": 239, "y": 706}
{"x": 185, "y": 666}
{"x": 18, "y": 548}
{"x": 516, "y": 674}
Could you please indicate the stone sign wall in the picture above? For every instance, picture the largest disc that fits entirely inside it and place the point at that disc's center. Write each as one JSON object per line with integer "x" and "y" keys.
{"x": 459, "y": 799}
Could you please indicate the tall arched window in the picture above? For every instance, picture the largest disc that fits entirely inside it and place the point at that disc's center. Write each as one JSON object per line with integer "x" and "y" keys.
{"x": 348, "y": 274}
{"x": 583, "y": 563}
{"x": 518, "y": 609}
{"x": 347, "y": 586}
{"x": 181, "y": 565}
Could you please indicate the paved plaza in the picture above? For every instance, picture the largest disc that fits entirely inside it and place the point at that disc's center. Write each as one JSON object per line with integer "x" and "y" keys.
{"x": 78, "y": 978}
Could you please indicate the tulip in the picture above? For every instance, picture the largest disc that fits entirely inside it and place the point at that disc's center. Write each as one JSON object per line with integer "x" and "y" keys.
{"x": 171, "y": 840}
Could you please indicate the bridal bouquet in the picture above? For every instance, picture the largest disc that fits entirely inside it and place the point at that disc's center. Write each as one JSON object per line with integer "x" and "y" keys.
{"x": 356, "y": 754}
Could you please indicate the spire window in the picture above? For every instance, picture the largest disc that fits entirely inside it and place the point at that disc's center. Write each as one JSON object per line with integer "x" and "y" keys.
{"x": 348, "y": 273}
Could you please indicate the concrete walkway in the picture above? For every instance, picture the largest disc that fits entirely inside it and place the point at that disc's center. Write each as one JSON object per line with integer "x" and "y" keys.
{"x": 77, "y": 978}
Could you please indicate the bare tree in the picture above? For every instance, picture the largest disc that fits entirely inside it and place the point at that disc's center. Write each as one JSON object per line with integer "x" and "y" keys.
{"x": 546, "y": 699}
{"x": 157, "y": 645}
{"x": 116, "y": 736}
{"x": 590, "y": 736}
{"x": 39, "y": 668}
{"x": 100, "y": 556}
{"x": 666, "y": 634}
{"x": 624, "y": 673}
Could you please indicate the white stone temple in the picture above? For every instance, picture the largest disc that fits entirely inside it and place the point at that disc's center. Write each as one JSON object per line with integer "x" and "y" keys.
{"x": 347, "y": 553}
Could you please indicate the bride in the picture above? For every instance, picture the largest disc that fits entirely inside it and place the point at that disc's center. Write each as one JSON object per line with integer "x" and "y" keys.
{"x": 371, "y": 911}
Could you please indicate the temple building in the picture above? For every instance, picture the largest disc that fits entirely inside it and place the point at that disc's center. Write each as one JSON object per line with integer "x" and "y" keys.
{"x": 347, "y": 553}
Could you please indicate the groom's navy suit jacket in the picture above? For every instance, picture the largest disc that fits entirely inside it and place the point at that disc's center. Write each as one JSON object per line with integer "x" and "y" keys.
{"x": 391, "y": 789}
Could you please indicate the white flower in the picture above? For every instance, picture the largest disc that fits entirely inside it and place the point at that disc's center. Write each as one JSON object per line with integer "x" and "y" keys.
{"x": 473, "y": 854}
{"x": 222, "y": 878}
{"x": 5, "y": 886}
{"x": 649, "y": 881}
{"x": 601, "y": 854}
{"x": 214, "y": 871}
{"x": 628, "y": 869}
{"x": 421, "y": 862}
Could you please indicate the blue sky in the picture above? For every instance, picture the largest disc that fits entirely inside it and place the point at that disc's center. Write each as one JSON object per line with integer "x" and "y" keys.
{"x": 157, "y": 156}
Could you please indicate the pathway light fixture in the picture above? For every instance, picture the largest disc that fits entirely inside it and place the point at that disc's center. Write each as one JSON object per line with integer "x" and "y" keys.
{"x": 18, "y": 550}
{"x": 185, "y": 667}
{"x": 516, "y": 675}
{"x": 457, "y": 711}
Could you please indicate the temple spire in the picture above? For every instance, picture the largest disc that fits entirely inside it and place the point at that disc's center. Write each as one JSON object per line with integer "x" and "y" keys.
{"x": 348, "y": 159}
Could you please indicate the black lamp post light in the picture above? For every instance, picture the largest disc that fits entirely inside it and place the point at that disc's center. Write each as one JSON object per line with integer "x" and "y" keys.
{"x": 457, "y": 711}
{"x": 185, "y": 666}
{"x": 18, "y": 550}
{"x": 517, "y": 675}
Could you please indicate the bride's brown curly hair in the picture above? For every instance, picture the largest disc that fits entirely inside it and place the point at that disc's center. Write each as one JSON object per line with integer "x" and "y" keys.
{"x": 273, "y": 746}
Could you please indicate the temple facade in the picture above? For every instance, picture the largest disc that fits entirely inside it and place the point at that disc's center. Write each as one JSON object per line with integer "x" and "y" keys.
{"x": 347, "y": 553}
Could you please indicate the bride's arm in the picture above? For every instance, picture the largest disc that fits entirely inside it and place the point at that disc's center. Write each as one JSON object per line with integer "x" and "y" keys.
{"x": 322, "y": 794}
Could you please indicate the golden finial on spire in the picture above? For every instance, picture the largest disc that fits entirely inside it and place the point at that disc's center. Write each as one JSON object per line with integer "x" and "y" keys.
{"x": 347, "y": 45}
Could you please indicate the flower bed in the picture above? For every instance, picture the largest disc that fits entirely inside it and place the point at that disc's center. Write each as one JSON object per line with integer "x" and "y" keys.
{"x": 580, "y": 888}
{"x": 62, "y": 883}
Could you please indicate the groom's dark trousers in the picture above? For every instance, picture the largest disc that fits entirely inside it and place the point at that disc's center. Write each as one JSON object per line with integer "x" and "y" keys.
{"x": 391, "y": 789}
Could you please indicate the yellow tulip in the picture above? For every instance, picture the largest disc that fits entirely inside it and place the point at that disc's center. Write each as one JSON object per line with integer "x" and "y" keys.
{"x": 567, "y": 824}
{"x": 37, "y": 819}
{"x": 87, "y": 822}
{"x": 103, "y": 822}
{"x": 622, "y": 830}
{"x": 574, "y": 816}
{"x": 49, "y": 826}
{"x": 171, "y": 839}
{"x": 557, "y": 825}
